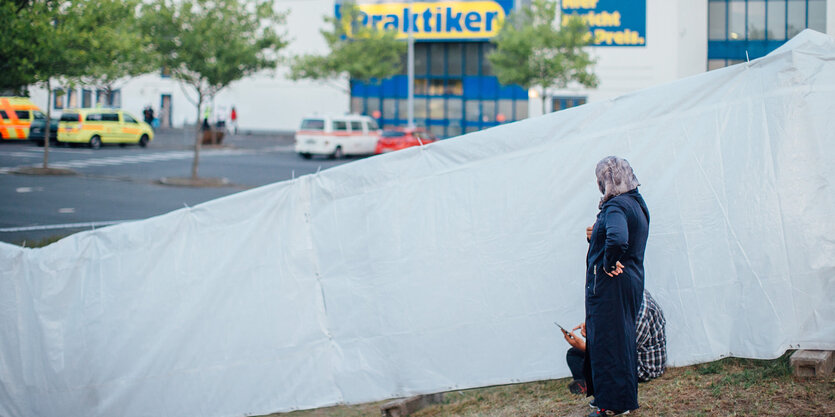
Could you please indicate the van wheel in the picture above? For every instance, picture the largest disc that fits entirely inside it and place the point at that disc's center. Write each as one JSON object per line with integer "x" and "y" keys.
{"x": 337, "y": 153}
{"x": 143, "y": 141}
{"x": 95, "y": 142}
{"x": 39, "y": 143}
{"x": 305, "y": 155}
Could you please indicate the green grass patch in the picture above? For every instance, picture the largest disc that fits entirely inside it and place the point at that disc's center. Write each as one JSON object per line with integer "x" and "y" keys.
{"x": 41, "y": 242}
{"x": 727, "y": 387}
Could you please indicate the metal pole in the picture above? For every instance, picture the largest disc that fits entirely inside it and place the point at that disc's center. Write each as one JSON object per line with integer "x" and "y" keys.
{"x": 411, "y": 68}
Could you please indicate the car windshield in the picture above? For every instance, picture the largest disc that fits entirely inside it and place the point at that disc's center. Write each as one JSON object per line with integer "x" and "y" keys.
{"x": 393, "y": 134}
{"x": 69, "y": 117}
{"x": 313, "y": 124}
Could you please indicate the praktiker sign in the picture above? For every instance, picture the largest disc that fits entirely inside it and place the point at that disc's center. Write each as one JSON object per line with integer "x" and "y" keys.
{"x": 442, "y": 20}
{"x": 611, "y": 22}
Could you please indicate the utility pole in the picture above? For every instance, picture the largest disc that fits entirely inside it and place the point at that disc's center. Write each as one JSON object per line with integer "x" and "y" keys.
{"x": 410, "y": 62}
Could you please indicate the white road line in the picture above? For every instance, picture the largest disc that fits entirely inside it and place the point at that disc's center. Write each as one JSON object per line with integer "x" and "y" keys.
{"x": 24, "y": 155}
{"x": 61, "y": 226}
{"x": 141, "y": 158}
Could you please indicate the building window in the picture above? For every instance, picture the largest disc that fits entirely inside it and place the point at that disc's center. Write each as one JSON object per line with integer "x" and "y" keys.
{"x": 58, "y": 98}
{"x": 357, "y": 105}
{"x": 116, "y": 98}
{"x": 749, "y": 29}
{"x": 101, "y": 98}
{"x": 566, "y": 102}
{"x": 86, "y": 98}
{"x": 455, "y": 91}
{"x": 72, "y": 98}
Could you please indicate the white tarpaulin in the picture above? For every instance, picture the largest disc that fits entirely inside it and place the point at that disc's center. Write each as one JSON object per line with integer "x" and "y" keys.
{"x": 443, "y": 267}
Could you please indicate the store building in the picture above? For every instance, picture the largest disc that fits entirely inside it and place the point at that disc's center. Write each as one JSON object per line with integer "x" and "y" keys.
{"x": 638, "y": 44}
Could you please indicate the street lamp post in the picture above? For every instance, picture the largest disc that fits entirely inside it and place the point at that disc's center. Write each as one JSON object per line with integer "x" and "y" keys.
{"x": 410, "y": 63}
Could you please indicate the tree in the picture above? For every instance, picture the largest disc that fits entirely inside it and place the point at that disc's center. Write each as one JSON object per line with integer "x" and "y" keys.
{"x": 208, "y": 44}
{"x": 68, "y": 40}
{"x": 364, "y": 53}
{"x": 19, "y": 48}
{"x": 532, "y": 51}
{"x": 58, "y": 41}
{"x": 123, "y": 51}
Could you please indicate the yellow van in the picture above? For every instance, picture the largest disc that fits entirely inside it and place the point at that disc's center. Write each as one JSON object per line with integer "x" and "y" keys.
{"x": 101, "y": 126}
{"x": 16, "y": 114}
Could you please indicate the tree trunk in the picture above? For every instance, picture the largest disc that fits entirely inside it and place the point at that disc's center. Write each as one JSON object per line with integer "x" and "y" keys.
{"x": 543, "y": 101}
{"x": 197, "y": 137}
{"x": 48, "y": 123}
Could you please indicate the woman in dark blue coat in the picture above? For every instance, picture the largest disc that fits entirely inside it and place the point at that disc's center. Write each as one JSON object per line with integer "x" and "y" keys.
{"x": 614, "y": 284}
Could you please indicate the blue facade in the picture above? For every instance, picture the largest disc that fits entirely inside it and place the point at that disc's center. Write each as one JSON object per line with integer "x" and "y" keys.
{"x": 455, "y": 92}
{"x": 757, "y": 27}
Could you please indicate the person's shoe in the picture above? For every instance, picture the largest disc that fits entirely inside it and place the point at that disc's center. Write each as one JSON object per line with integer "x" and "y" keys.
{"x": 600, "y": 412}
{"x": 577, "y": 386}
{"x": 592, "y": 404}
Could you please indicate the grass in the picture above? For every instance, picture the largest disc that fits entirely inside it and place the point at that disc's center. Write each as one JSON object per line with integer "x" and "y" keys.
{"x": 727, "y": 387}
{"x": 42, "y": 242}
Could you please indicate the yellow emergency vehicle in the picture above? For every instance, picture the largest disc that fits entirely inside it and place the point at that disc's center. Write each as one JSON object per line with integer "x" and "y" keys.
{"x": 101, "y": 126}
{"x": 16, "y": 114}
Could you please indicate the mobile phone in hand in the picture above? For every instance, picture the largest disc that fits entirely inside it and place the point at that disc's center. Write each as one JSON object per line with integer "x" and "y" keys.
{"x": 561, "y": 328}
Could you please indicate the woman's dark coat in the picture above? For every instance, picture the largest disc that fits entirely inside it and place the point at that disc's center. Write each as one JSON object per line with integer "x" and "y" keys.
{"x": 612, "y": 303}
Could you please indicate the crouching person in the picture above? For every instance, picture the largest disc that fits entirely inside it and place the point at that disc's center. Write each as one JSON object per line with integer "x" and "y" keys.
{"x": 651, "y": 344}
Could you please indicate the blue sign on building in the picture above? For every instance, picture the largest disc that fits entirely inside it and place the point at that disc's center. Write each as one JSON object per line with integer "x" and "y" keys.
{"x": 612, "y": 22}
{"x": 436, "y": 20}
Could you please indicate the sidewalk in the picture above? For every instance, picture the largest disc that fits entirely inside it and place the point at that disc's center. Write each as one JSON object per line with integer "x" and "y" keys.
{"x": 184, "y": 138}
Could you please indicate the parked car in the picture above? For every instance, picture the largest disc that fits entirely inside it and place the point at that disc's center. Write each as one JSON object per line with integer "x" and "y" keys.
{"x": 337, "y": 136}
{"x": 400, "y": 138}
{"x": 16, "y": 114}
{"x": 36, "y": 129}
{"x": 102, "y": 126}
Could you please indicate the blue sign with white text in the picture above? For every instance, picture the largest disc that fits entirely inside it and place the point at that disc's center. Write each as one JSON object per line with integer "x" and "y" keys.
{"x": 611, "y": 22}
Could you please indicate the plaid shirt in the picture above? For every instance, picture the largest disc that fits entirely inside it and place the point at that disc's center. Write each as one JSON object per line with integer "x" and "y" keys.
{"x": 652, "y": 342}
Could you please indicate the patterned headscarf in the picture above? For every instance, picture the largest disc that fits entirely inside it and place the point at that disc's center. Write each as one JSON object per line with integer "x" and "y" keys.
{"x": 614, "y": 177}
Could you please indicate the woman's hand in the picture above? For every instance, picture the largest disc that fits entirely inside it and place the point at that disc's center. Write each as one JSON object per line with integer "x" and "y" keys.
{"x": 588, "y": 232}
{"x": 573, "y": 340}
{"x": 617, "y": 271}
{"x": 582, "y": 327}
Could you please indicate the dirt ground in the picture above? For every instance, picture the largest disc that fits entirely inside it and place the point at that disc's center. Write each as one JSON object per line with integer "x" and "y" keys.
{"x": 728, "y": 387}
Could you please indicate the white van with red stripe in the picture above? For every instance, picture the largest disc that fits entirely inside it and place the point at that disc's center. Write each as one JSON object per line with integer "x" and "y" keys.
{"x": 337, "y": 136}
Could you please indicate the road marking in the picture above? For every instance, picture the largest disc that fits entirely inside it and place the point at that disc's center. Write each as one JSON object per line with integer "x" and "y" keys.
{"x": 67, "y": 210}
{"x": 144, "y": 158}
{"x": 61, "y": 226}
{"x": 25, "y": 154}
{"x": 24, "y": 189}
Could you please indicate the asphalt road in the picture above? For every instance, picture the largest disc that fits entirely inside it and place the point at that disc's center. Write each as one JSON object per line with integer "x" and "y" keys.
{"x": 115, "y": 184}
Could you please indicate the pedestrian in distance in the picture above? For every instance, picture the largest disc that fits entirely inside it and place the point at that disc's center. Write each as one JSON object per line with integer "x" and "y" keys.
{"x": 148, "y": 115}
{"x": 614, "y": 289}
{"x": 233, "y": 117}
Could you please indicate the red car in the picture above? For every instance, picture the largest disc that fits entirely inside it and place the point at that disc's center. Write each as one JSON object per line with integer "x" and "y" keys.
{"x": 399, "y": 138}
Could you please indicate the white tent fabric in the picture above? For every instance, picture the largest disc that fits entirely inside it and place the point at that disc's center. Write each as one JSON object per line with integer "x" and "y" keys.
{"x": 443, "y": 267}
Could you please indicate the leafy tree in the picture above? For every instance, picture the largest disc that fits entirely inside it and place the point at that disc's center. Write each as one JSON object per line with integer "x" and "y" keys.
{"x": 66, "y": 40}
{"x": 123, "y": 51}
{"x": 364, "y": 53}
{"x": 533, "y": 51}
{"x": 208, "y": 44}
{"x": 46, "y": 40}
{"x": 20, "y": 46}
